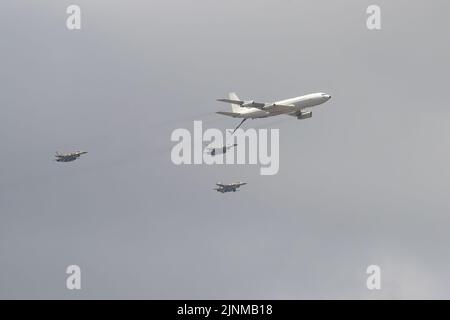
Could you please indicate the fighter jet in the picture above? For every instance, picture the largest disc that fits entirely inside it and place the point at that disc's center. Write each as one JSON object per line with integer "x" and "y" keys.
{"x": 218, "y": 147}
{"x": 229, "y": 187}
{"x": 296, "y": 107}
{"x": 67, "y": 157}
{"x": 216, "y": 150}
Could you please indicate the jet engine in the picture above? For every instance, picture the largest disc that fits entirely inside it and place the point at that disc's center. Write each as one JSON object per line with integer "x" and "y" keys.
{"x": 304, "y": 115}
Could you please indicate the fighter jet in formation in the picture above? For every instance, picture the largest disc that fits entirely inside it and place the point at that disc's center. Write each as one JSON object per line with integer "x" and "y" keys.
{"x": 67, "y": 157}
{"x": 216, "y": 149}
{"x": 296, "y": 107}
{"x": 228, "y": 187}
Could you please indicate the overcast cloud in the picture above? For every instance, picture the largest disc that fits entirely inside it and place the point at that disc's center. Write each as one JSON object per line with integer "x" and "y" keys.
{"x": 364, "y": 181}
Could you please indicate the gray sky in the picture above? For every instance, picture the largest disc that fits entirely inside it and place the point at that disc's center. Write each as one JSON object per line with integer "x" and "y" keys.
{"x": 363, "y": 182}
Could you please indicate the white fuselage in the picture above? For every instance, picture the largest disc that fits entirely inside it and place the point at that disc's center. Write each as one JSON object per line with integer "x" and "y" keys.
{"x": 298, "y": 103}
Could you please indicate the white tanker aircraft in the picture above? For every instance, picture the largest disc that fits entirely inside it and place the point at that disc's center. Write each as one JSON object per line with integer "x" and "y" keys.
{"x": 296, "y": 107}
